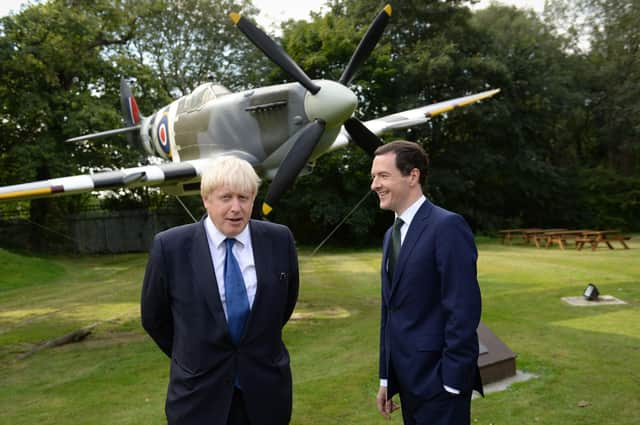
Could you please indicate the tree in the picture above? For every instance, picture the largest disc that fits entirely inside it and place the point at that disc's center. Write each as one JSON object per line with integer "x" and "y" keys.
{"x": 189, "y": 42}
{"x": 607, "y": 32}
{"x": 604, "y": 36}
{"x": 534, "y": 155}
{"x": 51, "y": 62}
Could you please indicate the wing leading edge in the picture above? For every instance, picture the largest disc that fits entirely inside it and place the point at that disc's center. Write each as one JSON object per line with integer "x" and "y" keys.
{"x": 414, "y": 117}
{"x": 149, "y": 175}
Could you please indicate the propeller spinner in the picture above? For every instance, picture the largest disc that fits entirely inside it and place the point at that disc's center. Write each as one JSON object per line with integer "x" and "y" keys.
{"x": 327, "y": 104}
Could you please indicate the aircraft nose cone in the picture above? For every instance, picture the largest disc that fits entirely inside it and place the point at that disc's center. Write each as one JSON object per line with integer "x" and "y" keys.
{"x": 333, "y": 104}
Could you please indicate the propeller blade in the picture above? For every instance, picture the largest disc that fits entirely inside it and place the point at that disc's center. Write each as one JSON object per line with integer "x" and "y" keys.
{"x": 362, "y": 136}
{"x": 304, "y": 141}
{"x": 273, "y": 51}
{"x": 366, "y": 45}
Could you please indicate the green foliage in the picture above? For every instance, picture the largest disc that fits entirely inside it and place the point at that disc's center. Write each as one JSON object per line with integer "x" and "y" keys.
{"x": 133, "y": 199}
{"x": 609, "y": 199}
{"x": 189, "y": 42}
{"x": 605, "y": 32}
{"x": 55, "y": 62}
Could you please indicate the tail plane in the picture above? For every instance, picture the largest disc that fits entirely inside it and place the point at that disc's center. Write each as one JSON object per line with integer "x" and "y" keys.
{"x": 130, "y": 114}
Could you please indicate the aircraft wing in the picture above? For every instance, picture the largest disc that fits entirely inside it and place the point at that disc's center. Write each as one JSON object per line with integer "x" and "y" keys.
{"x": 172, "y": 174}
{"x": 149, "y": 175}
{"x": 415, "y": 116}
{"x": 421, "y": 115}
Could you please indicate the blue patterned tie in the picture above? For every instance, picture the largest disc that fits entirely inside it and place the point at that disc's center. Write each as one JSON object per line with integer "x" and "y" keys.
{"x": 235, "y": 294}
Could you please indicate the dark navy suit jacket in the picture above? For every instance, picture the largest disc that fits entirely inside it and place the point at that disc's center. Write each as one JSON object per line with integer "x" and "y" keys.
{"x": 181, "y": 310}
{"x": 431, "y": 308}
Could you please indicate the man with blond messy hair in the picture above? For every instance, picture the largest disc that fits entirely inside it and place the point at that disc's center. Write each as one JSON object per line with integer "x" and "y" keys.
{"x": 215, "y": 297}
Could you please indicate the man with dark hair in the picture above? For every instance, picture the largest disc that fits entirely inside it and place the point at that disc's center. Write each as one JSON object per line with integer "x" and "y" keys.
{"x": 215, "y": 297}
{"x": 430, "y": 297}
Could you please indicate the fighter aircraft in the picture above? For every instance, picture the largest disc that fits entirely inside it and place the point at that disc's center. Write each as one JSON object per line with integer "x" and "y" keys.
{"x": 279, "y": 129}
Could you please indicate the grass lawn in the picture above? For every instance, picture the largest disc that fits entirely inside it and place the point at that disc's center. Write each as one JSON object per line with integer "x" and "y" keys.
{"x": 582, "y": 355}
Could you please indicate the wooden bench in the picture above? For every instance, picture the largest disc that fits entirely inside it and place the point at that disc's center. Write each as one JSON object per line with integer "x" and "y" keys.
{"x": 621, "y": 239}
{"x": 508, "y": 234}
{"x": 595, "y": 237}
{"x": 538, "y": 235}
{"x": 561, "y": 237}
{"x": 582, "y": 240}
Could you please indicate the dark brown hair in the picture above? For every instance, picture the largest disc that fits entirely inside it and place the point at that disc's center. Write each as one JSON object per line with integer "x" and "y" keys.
{"x": 409, "y": 155}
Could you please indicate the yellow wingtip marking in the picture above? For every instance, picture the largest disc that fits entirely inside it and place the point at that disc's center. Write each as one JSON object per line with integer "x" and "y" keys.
{"x": 479, "y": 98}
{"x": 235, "y": 17}
{"x": 470, "y": 101}
{"x": 444, "y": 109}
{"x": 25, "y": 193}
{"x": 266, "y": 209}
{"x": 474, "y": 99}
{"x": 388, "y": 9}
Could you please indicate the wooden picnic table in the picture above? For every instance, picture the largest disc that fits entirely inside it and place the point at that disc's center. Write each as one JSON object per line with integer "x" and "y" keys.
{"x": 538, "y": 235}
{"x": 595, "y": 237}
{"x": 507, "y": 234}
{"x": 562, "y": 236}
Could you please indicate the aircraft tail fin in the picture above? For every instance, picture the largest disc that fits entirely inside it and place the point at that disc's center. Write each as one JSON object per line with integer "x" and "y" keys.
{"x": 128, "y": 104}
{"x": 130, "y": 112}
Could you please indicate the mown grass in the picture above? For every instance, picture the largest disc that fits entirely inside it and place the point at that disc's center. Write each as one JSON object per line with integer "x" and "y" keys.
{"x": 118, "y": 376}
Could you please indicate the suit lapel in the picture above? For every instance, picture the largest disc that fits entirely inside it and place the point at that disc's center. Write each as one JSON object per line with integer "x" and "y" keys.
{"x": 386, "y": 282}
{"x": 261, "y": 258}
{"x": 204, "y": 275}
{"x": 417, "y": 227}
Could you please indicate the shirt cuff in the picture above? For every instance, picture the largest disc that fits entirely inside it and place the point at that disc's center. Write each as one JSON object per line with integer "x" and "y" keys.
{"x": 451, "y": 390}
{"x": 384, "y": 383}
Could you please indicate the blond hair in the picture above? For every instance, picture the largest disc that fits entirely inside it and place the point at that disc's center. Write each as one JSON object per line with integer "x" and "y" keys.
{"x": 230, "y": 171}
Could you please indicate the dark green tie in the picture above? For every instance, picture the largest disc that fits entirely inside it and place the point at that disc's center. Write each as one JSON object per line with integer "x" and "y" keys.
{"x": 396, "y": 240}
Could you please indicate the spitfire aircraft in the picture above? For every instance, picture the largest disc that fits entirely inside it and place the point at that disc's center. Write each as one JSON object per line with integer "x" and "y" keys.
{"x": 279, "y": 129}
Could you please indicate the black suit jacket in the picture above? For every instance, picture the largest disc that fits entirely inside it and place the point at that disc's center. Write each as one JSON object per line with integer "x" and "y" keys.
{"x": 431, "y": 308}
{"x": 181, "y": 310}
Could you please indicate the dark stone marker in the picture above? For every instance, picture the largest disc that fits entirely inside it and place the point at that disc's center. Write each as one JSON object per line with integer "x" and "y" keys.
{"x": 496, "y": 360}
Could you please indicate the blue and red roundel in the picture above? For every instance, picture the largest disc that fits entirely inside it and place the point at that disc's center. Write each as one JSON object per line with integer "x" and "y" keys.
{"x": 163, "y": 133}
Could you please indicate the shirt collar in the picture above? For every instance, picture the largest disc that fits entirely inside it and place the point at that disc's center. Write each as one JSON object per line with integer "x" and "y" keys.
{"x": 216, "y": 237}
{"x": 409, "y": 213}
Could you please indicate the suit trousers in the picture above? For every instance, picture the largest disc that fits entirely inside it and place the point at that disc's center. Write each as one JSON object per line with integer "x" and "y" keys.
{"x": 237, "y": 411}
{"x": 443, "y": 409}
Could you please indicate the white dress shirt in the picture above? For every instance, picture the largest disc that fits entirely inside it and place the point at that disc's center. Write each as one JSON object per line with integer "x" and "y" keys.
{"x": 242, "y": 249}
{"x": 407, "y": 217}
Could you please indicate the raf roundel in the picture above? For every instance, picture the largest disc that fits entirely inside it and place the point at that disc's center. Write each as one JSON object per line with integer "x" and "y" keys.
{"x": 163, "y": 133}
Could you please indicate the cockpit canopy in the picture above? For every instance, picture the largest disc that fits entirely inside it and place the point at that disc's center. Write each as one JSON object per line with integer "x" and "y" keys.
{"x": 203, "y": 94}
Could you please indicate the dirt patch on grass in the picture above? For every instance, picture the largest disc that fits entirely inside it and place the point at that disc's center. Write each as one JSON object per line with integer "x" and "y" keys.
{"x": 310, "y": 313}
